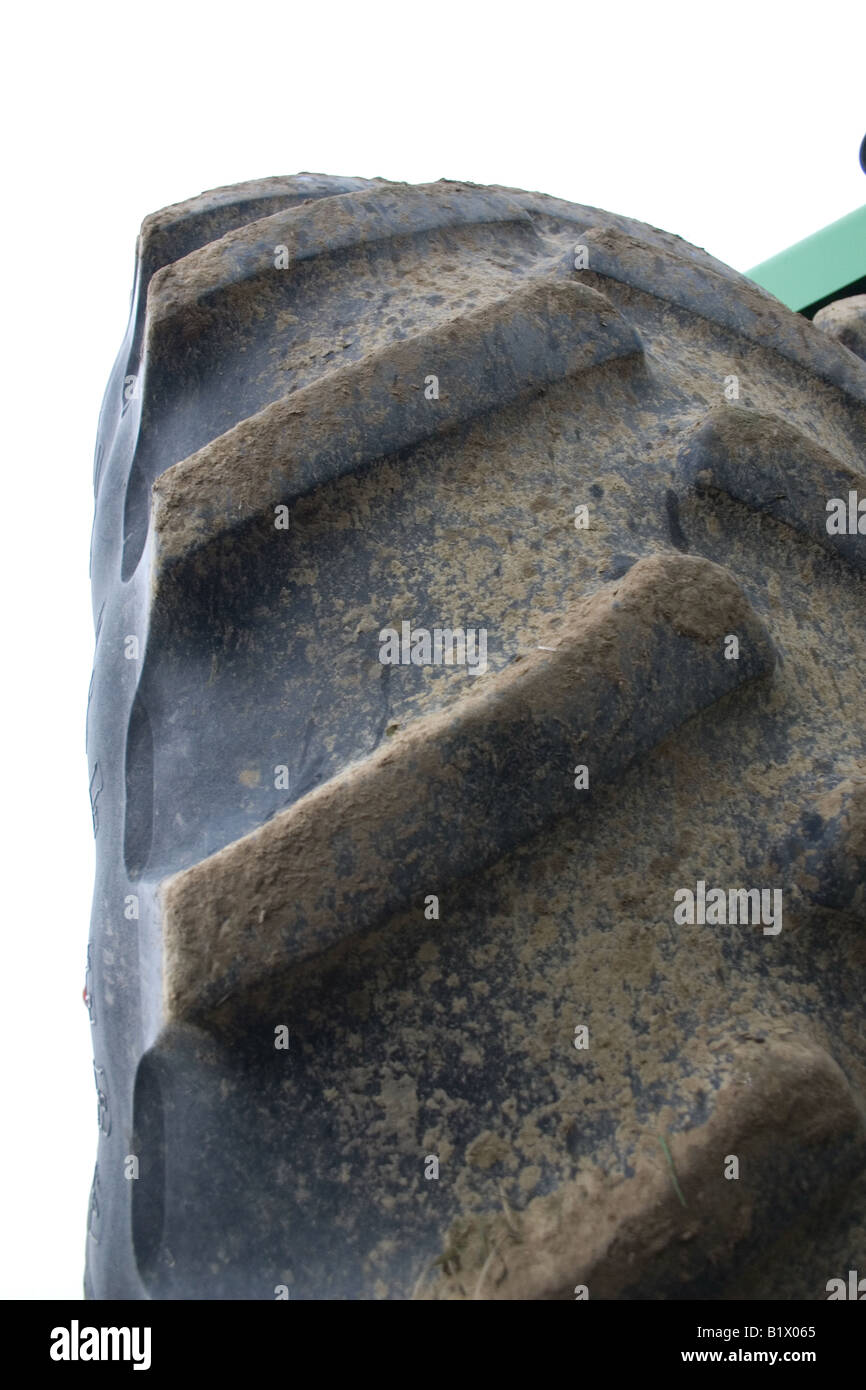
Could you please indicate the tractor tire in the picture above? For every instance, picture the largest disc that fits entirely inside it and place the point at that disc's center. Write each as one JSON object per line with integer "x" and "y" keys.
{"x": 477, "y": 752}
{"x": 845, "y": 320}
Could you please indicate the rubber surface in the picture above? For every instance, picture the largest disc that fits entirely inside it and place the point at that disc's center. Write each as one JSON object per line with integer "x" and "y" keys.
{"x": 392, "y": 986}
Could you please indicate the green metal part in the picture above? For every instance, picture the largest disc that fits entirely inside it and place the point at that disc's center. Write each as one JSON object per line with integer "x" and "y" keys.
{"x": 814, "y": 269}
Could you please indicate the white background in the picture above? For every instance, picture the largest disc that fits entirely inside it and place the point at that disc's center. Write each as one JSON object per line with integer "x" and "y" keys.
{"x": 736, "y": 125}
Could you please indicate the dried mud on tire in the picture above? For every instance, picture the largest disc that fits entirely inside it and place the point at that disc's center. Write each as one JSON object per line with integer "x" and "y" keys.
{"x": 395, "y": 987}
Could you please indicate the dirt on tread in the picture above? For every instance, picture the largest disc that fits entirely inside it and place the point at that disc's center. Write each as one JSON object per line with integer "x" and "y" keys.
{"x": 510, "y": 1069}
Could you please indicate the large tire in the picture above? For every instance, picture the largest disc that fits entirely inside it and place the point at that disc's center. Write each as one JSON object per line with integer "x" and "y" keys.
{"x": 343, "y": 405}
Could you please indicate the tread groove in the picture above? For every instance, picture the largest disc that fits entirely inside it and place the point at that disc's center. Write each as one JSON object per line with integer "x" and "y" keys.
{"x": 542, "y": 333}
{"x": 765, "y": 463}
{"x": 753, "y": 313}
{"x": 490, "y": 772}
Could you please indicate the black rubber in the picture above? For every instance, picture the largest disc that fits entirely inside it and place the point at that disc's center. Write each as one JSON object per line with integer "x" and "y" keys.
{"x": 350, "y": 917}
